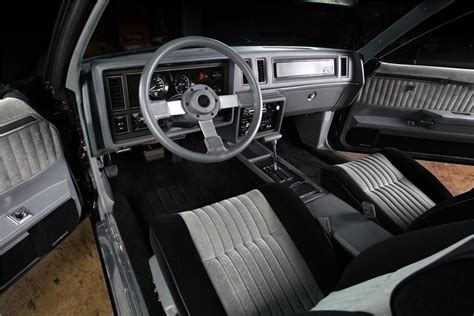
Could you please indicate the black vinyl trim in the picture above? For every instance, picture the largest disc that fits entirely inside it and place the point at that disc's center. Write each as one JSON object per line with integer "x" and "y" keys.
{"x": 419, "y": 293}
{"x": 307, "y": 234}
{"x": 400, "y": 251}
{"x": 42, "y": 238}
{"x": 17, "y": 124}
{"x": 185, "y": 275}
{"x": 459, "y": 208}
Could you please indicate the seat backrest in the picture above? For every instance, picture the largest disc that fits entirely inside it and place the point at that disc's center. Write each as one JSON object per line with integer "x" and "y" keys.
{"x": 391, "y": 191}
{"x": 250, "y": 258}
{"x": 245, "y": 255}
{"x": 441, "y": 284}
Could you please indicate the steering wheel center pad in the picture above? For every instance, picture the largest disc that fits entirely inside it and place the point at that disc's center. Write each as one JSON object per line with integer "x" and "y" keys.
{"x": 201, "y": 102}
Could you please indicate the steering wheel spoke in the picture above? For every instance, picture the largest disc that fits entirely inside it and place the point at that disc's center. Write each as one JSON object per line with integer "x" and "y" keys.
{"x": 200, "y": 103}
{"x": 213, "y": 141}
{"x": 162, "y": 109}
{"x": 240, "y": 99}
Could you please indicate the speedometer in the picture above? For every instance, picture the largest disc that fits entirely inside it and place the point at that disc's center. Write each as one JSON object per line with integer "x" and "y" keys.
{"x": 181, "y": 83}
{"x": 158, "y": 87}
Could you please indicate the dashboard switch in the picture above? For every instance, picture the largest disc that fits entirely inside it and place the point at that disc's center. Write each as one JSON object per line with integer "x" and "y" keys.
{"x": 120, "y": 124}
{"x": 138, "y": 122}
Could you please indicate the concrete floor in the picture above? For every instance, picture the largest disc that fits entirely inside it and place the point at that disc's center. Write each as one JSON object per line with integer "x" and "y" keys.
{"x": 69, "y": 281}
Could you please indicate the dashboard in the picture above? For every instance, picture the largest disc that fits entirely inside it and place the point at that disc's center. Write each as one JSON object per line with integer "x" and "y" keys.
{"x": 294, "y": 81}
{"x": 168, "y": 83}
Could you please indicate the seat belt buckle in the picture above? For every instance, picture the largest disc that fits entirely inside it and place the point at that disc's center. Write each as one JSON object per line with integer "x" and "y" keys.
{"x": 368, "y": 209}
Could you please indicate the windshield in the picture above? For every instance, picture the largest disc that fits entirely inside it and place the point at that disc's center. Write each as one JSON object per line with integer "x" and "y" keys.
{"x": 130, "y": 25}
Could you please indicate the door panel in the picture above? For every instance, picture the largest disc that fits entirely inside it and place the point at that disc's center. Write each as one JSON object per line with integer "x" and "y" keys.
{"x": 420, "y": 109}
{"x": 39, "y": 204}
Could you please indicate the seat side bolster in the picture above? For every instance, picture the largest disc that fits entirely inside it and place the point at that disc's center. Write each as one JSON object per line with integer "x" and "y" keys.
{"x": 399, "y": 251}
{"x": 418, "y": 175}
{"x": 319, "y": 253}
{"x": 181, "y": 266}
{"x": 456, "y": 209}
{"x": 336, "y": 180}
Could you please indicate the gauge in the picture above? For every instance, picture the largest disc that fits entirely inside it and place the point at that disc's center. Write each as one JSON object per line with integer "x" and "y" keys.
{"x": 216, "y": 75}
{"x": 158, "y": 87}
{"x": 181, "y": 83}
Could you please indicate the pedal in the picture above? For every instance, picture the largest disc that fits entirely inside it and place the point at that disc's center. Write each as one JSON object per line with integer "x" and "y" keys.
{"x": 111, "y": 171}
{"x": 154, "y": 154}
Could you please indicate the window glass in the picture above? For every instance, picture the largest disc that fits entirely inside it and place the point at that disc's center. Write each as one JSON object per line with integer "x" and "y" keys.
{"x": 128, "y": 25}
{"x": 449, "y": 44}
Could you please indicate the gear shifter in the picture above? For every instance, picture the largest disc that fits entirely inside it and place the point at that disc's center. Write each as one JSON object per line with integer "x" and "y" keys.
{"x": 275, "y": 155}
{"x": 274, "y": 138}
{"x": 274, "y": 171}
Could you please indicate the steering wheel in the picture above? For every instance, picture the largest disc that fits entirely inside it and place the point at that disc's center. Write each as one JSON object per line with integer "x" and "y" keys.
{"x": 200, "y": 104}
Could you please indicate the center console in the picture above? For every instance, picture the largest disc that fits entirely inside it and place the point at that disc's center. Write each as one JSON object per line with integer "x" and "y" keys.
{"x": 272, "y": 114}
{"x": 343, "y": 223}
{"x": 271, "y": 168}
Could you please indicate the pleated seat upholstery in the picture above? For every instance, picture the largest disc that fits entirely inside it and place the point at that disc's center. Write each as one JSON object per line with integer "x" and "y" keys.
{"x": 28, "y": 144}
{"x": 397, "y": 196}
{"x": 403, "y": 193}
{"x": 244, "y": 246}
{"x": 246, "y": 255}
{"x": 263, "y": 253}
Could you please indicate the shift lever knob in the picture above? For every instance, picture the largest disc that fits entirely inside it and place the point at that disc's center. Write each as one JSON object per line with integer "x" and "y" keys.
{"x": 273, "y": 138}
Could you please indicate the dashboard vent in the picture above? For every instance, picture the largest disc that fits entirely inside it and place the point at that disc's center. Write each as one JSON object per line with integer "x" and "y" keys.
{"x": 116, "y": 93}
{"x": 261, "y": 70}
{"x": 244, "y": 79}
{"x": 344, "y": 66}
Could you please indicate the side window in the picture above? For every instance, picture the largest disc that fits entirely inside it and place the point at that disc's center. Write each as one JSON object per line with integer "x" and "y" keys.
{"x": 449, "y": 45}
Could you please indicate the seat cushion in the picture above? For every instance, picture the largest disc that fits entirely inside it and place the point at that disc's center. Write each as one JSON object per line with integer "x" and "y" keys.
{"x": 252, "y": 262}
{"x": 378, "y": 179}
{"x": 239, "y": 256}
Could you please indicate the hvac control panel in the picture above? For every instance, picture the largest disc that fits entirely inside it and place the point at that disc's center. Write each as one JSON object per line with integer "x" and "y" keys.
{"x": 272, "y": 114}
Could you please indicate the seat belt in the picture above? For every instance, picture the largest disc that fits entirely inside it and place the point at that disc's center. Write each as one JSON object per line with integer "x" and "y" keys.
{"x": 368, "y": 209}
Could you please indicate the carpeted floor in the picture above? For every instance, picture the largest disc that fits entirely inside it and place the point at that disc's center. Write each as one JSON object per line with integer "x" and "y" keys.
{"x": 69, "y": 281}
{"x": 169, "y": 183}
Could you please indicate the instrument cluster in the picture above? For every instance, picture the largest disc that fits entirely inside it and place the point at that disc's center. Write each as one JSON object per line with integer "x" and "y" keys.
{"x": 173, "y": 83}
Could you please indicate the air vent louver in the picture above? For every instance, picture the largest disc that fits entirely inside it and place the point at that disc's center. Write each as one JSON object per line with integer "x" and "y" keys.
{"x": 261, "y": 70}
{"x": 344, "y": 62}
{"x": 244, "y": 79}
{"x": 116, "y": 93}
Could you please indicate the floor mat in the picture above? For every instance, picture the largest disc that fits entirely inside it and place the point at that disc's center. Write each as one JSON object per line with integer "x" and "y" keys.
{"x": 173, "y": 199}
{"x": 145, "y": 189}
{"x": 138, "y": 250}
